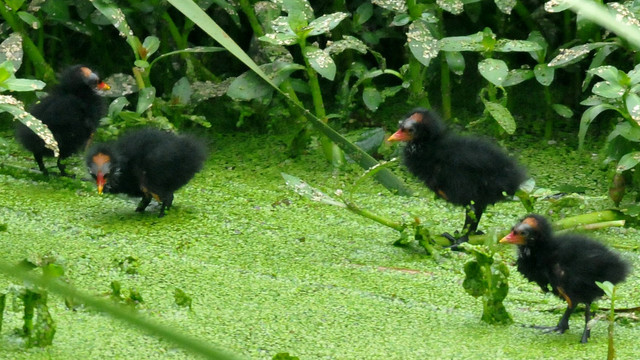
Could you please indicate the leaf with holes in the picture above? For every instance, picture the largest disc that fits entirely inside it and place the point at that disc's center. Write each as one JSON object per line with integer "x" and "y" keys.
{"x": 504, "y": 45}
{"x": 320, "y": 61}
{"x": 628, "y": 161}
{"x": 515, "y": 77}
{"x": 608, "y": 89}
{"x": 326, "y": 23}
{"x": 462, "y": 43}
{"x": 422, "y": 44}
{"x": 502, "y": 116}
{"x": 494, "y": 70}
{"x": 607, "y": 72}
{"x": 544, "y": 74}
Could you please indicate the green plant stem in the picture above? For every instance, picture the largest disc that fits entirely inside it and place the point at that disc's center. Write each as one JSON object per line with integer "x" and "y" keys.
{"x": 417, "y": 95}
{"x": 611, "y": 351}
{"x": 445, "y": 87}
{"x": 525, "y": 16}
{"x": 43, "y": 70}
{"x": 578, "y": 221}
{"x": 246, "y": 7}
{"x": 3, "y": 301}
{"x": 377, "y": 218}
{"x": 331, "y": 151}
{"x": 169, "y": 334}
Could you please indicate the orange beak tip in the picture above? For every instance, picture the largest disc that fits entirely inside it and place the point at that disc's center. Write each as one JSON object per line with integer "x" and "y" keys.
{"x": 104, "y": 86}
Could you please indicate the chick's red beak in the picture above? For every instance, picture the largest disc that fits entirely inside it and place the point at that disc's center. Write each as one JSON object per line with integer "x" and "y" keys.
{"x": 400, "y": 135}
{"x": 100, "y": 182}
{"x": 513, "y": 238}
{"x": 103, "y": 86}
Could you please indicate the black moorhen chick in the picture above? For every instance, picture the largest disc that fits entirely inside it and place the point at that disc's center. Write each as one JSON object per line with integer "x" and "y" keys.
{"x": 463, "y": 170}
{"x": 72, "y": 111}
{"x": 147, "y": 163}
{"x": 567, "y": 265}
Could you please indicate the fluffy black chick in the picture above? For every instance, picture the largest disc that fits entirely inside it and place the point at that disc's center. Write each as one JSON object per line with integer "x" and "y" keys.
{"x": 72, "y": 111}
{"x": 568, "y": 265}
{"x": 150, "y": 163}
{"x": 463, "y": 170}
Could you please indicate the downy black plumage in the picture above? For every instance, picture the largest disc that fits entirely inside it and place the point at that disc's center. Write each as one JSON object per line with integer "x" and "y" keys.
{"x": 567, "y": 265}
{"x": 463, "y": 170}
{"x": 150, "y": 163}
{"x": 72, "y": 111}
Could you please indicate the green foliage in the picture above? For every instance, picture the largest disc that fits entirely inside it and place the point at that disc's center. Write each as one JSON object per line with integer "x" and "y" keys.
{"x": 10, "y": 61}
{"x": 182, "y": 299}
{"x": 487, "y": 277}
{"x": 39, "y": 328}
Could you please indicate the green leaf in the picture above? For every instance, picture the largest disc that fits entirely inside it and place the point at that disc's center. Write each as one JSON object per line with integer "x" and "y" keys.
{"x": 599, "y": 57}
{"x": 494, "y": 70}
{"x": 607, "y": 72}
{"x": 505, "y": 5}
{"x": 146, "y": 97}
{"x": 299, "y": 13}
{"x": 502, "y": 115}
{"x": 15, "y": 108}
{"x": 504, "y": 45}
{"x": 401, "y": 20}
{"x": 4, "y": 74}
{"x": 141, "y": 64}
{"x": 13, "y": 84}
{"x": 396, "y": 6}
{"x": 628, "y": 161}
{"x": 151, "y": 44}
{"x": 562, "y": 110}
{"x": 305, "y": 190}
{"x": 347, "y": 42}
{"x": 474, "y": 283}
{"x": 544, "y": 74}
{"x": 575, "y": 54}
{"x": 181, "y": 91}
{"x": 326, "y": 23}
{"x": 422, "y": 44}
{"x": 632, "y": 101}
{"x": 462, "y": 43}
{"x": 279, "y": 39}
{"x": 372, "y": 98}
{"x": 181, "y": 298}
{"x": 363, "y": 13}
{"x": 455, "y": 7}
{"x": 587, "y": 118}
{"x": 606, "y": 286}
{"x": 30, "y": 19}
{"x": 455, "y": 60}
{"x": 634, "y": 75}
{"x": 14, "y": 4}
{"x": 538, "y": 38}
{"x": 320, "y": 61}
{"x": 116, "y": 106}
{"x": 626, "y": 130}
{"x": 11, "y": 50}
{"x": 608, "y": 90}
{"x": 248, "y": 86}
{"x": 515, "y": 77}
{"x": 556, "y": 6}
